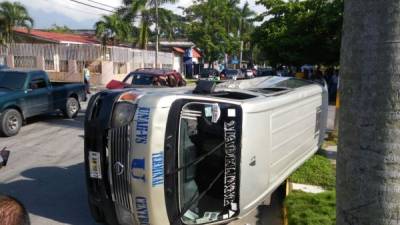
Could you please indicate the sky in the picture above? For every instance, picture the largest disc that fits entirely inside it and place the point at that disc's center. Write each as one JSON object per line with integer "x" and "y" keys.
{"x": 76, "y": 16}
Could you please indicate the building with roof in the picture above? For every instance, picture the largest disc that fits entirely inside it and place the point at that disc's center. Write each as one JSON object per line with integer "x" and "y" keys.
{"x": 186, "y": 56}
{"x": 39, "y": 36}
{"x": 64, "y": 56}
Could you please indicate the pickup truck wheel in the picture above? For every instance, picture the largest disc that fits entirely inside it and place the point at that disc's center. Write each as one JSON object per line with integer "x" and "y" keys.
{"x": 10, "y": 122}
{"x": 72, "y": 108}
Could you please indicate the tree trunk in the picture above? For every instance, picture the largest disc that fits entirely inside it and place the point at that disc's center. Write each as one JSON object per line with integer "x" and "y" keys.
{"x": 368, "y": 163}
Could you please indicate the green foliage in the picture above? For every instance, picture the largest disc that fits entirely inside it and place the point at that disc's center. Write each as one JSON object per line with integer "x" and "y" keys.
{"x": 12, "y": 15}
{"x": 316, "y": 171}
{"x": 301, "y": 32}
{"x": 218, "y": 26}
{"x": 171, "y": 26}
{"x": 311, "y": 209}
{"x": 142, "y": 13}
{"x": 113, "y": 29}
{"x": 60, "y": 29}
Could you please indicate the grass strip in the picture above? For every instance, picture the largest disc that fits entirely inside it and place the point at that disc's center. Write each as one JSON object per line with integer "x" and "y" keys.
{"x": 316, "y": 171}
{"x": 311, "y": 209}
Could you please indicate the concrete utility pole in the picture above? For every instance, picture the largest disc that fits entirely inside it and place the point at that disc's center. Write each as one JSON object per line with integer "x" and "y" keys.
{"x": 241, "y": 54}
{"x": 368, "y": 163}
{"x": 158, "y": 33}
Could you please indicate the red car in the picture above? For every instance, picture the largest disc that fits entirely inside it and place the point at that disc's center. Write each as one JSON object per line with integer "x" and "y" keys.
{"x": 149, "y": 77}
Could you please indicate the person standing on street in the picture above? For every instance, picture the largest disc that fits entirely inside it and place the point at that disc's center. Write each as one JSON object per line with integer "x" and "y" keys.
{"x": 86, "y": 78}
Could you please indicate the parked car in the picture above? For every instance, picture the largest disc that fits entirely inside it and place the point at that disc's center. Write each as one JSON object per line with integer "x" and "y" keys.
{"x": 209, "y": 74}
{"x": 27, "y": 93}
{"x": 262, "y": 72}
{"x": 2, "y": 67}
{"x": 149, "y": 77}
{"x": 200, "y": 155}
{"x": 232, "y": 74}
{"x": 248, "y": 73}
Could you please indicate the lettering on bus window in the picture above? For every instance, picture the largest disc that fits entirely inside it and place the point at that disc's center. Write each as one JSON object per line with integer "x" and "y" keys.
{"x": 158, "y": 169}
{"x": 138, "y": 169}
{"x": 142, "y": 125}
{"x": 142, "y": 211}
{"x": 230, "y": 163}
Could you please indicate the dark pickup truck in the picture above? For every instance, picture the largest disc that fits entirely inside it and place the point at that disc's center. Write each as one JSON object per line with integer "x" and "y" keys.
{"x": 27, "y": 93}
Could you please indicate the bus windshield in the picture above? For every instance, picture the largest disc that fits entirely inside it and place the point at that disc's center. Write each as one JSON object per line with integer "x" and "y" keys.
{"x": 207, "y": 179}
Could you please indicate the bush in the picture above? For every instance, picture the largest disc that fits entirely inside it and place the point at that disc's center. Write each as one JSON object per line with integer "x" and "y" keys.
{"x": 311, "y": 209}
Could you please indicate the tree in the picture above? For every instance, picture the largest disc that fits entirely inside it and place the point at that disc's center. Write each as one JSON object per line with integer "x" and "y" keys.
{"x": 368, "y": 165}
{"x": 301, "y": 32}
{"x": 142, "y": 12}
{"x": 113, "y": 30}
{"x": 214, "y": 27}
{"x": 13, "y": 15}
{"x": 60, "y": 29}
{"x": 246, "y": 28}
{"x": 171, "y": 26}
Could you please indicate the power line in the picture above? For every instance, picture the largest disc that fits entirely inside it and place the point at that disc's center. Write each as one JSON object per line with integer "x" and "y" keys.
{"x": 95, "y": 7}
{"x": 74, "y": 9}
{"x": 99, "y": 3}
{"x": 88, "y": 5}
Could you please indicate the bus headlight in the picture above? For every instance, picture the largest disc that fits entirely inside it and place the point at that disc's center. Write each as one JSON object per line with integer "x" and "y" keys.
{"x": 123, "y": 114}
{"x": 125, "y": 108}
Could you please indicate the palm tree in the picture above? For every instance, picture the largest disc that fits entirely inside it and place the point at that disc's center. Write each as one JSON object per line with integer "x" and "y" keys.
{"x": 13, "y": 15}
{"x": 368, "y": 164}
{"x": 139, "y": 11}
{"x": 144, "y": 29}
{"x": 171, "y": 25}
{"x": 2, "y": 29}
{"x": 246, "y": 27}
{"x": 113, "y": 29}
{"x": 246, "y": 16}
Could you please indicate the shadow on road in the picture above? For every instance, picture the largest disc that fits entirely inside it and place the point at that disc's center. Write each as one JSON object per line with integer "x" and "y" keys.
{"x": 58, "y": 120}
{"x": 55, "y": 193}
{"x": 272, "y": 214}
{"x": 266, "y": 215}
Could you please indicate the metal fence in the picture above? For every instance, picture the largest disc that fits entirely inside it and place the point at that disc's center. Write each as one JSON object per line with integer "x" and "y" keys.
{"x": 24, "y": 53}
{"x": 71, "y": 58}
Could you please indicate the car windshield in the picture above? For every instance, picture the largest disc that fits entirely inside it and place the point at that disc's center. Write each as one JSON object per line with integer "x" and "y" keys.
{"x": 142, "y": 79}
{"x": 12, "y": 80}
{"x": 231, "y": 72}
{"x": 207, "y": 183}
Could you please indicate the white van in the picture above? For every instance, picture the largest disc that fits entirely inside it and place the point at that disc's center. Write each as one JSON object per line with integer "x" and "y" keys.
{"x": 203, "y": 156}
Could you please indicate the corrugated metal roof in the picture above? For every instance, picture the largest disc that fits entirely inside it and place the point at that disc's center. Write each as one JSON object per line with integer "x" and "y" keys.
{"x": 58, "y": 37}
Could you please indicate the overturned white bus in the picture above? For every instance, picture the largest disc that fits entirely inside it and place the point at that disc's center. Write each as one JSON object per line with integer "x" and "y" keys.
{"x": 203, "y": 156}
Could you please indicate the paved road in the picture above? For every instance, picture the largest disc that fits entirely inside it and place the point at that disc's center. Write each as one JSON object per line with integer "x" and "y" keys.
{"x": 45, "y": 171}
{"x": 46, "y": 174}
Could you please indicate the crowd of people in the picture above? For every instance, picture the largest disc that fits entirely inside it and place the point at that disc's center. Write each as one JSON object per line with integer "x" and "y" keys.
{"x": 329, "y": 75}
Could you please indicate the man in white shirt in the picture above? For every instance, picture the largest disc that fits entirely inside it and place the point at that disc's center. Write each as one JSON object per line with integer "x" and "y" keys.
{"x": 86, "y": 78}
